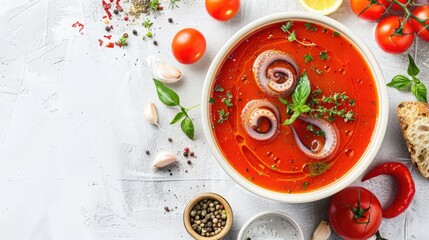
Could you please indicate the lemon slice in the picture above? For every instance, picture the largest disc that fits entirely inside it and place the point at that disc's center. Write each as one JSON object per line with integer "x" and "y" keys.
{"x": 324, "y": 7}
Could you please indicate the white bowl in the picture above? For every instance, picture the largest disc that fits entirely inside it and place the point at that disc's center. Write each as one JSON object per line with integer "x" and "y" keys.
{"x": 376, "y": 138}
{"x": 271, "y": 225}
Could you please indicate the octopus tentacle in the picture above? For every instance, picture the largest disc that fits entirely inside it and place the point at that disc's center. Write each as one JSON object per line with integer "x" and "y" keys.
{"x": 251, "y": 117}
{"x": 317, "y": 149}
{"x": 270, "y": 81}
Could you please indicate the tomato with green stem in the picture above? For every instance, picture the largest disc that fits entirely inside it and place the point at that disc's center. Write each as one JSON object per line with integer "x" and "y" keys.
{"x": 355, "y": 213}
{"x": 420, "y": 22}
{"x": 222, "y": 10}
{"x": 394, "y": 34}
{"x": 188, "y": 45}
{"x": 369, "y": 9}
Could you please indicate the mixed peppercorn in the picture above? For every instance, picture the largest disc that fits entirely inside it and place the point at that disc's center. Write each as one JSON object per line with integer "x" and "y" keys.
{"x": 208, "y": 217}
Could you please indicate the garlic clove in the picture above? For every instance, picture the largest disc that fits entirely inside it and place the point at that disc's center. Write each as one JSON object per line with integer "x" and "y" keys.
{"x": 151, "y": 114}
{"x": 323, "y": 231}
{"x": 163, "y": 72}
{"x": 164, "y": 159}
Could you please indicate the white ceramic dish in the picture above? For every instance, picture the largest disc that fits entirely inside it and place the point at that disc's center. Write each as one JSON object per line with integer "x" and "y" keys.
{"x": 379, "y": 129}
{"x": 271, "y": 225}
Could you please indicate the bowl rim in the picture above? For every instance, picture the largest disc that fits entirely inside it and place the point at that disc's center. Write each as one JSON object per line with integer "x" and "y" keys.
{"x": 376, "y": 138}
{"x": 268, "y": 213}
{"x": 195, "y": 200}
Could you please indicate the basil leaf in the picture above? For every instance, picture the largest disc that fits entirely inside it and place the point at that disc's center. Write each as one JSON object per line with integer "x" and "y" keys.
{"x": 292, "y": 119}
{"x": 413, "y": 70}
{"x": 177, "y": 118}
{"x": 284, "y": 101}
{"x": 188, "y": 127}
{"x": 302, "y": 91}
{"x": 303, "y": 109}
{"x": 419, "y": 90}
{"x": 400, "y": 82}
{"x": 166, "y": 95}
{"x": 292, "y": 37}
{"x": 317, "y": 168}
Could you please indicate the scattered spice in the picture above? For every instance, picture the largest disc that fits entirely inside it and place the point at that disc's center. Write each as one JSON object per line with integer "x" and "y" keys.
{"x": 186, "y": 149}
{"x": 135, "y": 32}
{"x": 167, "y": 209}
{"x": 208, "y": 217}
{"x": 116, "y": 11}
{"x": 191, "y": 154}
{"x": 185, "y": 154}
{"x": 170, "y": 139}
{"x": 126, "y": 18}
{"x": 155, "y": 43}
{"x": 107, "y": 28}
{"x": 79, "y": 25}
{"x": 110, "y": 45}
{"x": 189, "y": 162}
{"x": 147, "y": 152}
{"x": 125, "y": 35}
{"x": 170, "y": 20}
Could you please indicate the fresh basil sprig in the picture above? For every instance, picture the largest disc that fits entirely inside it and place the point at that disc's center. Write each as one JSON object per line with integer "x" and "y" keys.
{"x": 299, "y": 97}
{"x": 403, "y": 83}
{"x": 170, "y": 98}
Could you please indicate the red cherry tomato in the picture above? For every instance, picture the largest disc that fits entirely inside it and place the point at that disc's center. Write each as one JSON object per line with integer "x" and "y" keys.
{"x": 368, "y": 9}
{"x": 188, "y": 45}
{"x": 388, "y": 37}
{"x": 355, "y": 213}
{"x": 222, "y": 10}
{"x": 422, "y": 13}
{"x": 396, "y": 6}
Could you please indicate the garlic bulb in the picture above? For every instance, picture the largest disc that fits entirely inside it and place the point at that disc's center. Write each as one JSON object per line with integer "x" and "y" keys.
{"x": 323, "y": 231}
{"x": 151, "y": 114}
{"x": 163, "y": 72}
{"x": 164, "y": 159}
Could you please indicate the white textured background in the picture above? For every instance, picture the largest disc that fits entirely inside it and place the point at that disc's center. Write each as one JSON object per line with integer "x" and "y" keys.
{"x": 73, "y": 137}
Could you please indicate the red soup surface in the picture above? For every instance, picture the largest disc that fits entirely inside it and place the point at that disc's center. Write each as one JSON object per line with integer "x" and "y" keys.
{"x": 341, "y": 83}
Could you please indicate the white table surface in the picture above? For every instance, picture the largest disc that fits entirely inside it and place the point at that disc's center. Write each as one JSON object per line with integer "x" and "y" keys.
{"x": 73, "y": 136}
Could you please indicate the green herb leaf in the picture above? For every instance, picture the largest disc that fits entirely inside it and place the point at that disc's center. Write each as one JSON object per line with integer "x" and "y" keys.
{"x": 324, "y": 56}
{"x": 413, "y": 70}
{"x": 223, "y": 116}
{"x": 286, "y": 26}
{"x": 400, "y": 82}
{"x": 284, "y": 101}
{"x": 336, "y": 34}
{"x": 310, "y": 27}
{"x": 292, "y": 119}
{"x": 308, "y": 58}
{"x": 218, "y": 88}
{"x": 177, "y": 118}
{"x": 211, "y": 100}
{"x": 304, "y": 185}
{"x": 302, "y": 91}
{"x": 292, "y": 37}
{"x": 166, "y": 95}
{"x": 188, "y": 127}
{"x": 303, "y": 109}
{"x": 419, "y": 90}
{"x": 317, "y": 168}
{"x": 315, "y": 132}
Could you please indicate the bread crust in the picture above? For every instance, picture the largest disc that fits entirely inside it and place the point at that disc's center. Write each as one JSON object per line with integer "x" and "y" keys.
{"x": 414, "y": 121}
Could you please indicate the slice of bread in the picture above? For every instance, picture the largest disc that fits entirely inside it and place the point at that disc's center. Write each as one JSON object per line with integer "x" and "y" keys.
{"x": 414, "y": 121}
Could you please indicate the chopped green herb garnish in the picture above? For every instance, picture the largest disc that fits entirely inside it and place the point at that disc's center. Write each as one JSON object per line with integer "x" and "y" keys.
{"x": 315, "y": 132}
{"x": 154, "y": 5}
{"x": 227, "y": 102}
{"x": 324, "y": 56}
{"x": 123, "y": 41}
{"x": 305, "y": 184}
{"x": 292, "y": 35}
{"x": 319, "y": 71}
{"x": 310, "y": 27}
{"x": 318, "y": 168}
{"x": 274, "y": 167}
{"x": 211, "y": 100}
{"x": 336, "y": 34}
{"x": 147, "y": 23}
{"x": 223, "y": 116}
{"x": 352, "y": 102}
{"x": 308, "y": 58}
{"x": 218, "y": 89}
{"x": 173, "y": 4}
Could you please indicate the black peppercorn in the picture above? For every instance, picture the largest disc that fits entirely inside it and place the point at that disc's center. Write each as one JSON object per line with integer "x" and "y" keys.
{"x": 107, "y": 28}
{"x": 155, "y": 43}
{"x": 115, "y": 11}
{"x": 135, "y": 32}
{"x": 170, "y": 20}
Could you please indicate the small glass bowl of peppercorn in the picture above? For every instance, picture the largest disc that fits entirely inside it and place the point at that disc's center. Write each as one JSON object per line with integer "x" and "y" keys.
{"x": 208, "y": 216}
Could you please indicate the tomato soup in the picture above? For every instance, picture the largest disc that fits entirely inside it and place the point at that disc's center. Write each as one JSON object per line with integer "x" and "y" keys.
{"x": 340, "y": 110}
